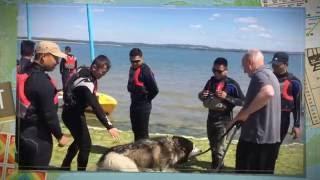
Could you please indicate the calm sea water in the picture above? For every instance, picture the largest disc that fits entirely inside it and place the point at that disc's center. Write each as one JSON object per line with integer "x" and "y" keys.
{"x": 180, "y": 74}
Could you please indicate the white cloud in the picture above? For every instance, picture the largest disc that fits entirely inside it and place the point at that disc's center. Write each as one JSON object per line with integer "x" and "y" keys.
{"x": 265, "y": 35}
{"x": 195, "y": 26}
{"x": 246, "y": 20}
{"x": 214, "y": 16}
{"x": 253, "y": 28}
{"x": 256, "y": 27}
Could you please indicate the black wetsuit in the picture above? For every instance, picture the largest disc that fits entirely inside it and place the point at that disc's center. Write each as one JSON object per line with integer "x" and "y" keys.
{"x": 82, "y": 85}
{"x": 294, "y": 90}
{"x": 35, "y": 130}
{"x": 217, "y": 120}
{"x": 141, "y": 97}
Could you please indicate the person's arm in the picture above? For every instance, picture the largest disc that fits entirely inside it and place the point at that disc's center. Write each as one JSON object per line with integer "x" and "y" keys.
{"x": 62, "y": 65}
{"x": 150, "y": 83}
{"x": 262, "y": 98}
{"x": 76, "y": 63}
{"x": 236, "y": 98}
{"x": 129, "y": 85}
{"x": 45, "y": 96}
{"x": 202, "y": 95}
{"x": 92, "y": 101}
{"x": 296, "y": 92}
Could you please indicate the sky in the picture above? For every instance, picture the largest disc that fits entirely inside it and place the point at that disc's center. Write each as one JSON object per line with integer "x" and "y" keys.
{"x": 232, "y": 28}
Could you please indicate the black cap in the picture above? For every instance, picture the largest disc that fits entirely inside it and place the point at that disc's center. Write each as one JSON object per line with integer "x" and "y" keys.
{"x": 280, "y": 57}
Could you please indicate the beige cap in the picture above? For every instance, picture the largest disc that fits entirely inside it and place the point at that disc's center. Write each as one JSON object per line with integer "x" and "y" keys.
{"x": 49, "y": 47}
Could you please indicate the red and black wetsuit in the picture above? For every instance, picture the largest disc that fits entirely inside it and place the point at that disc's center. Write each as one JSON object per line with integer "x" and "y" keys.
{"x": 82, "y": 86}
{"x": 35, "y": 129}
{"x": 143, "y": 88}
{"x": 291, "y": 90}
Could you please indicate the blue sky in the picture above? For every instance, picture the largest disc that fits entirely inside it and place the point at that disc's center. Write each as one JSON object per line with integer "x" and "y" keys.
{"x": 237, "y": 28}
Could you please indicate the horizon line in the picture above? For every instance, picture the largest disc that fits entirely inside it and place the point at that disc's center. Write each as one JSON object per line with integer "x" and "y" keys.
{"x": 204, "y": 47}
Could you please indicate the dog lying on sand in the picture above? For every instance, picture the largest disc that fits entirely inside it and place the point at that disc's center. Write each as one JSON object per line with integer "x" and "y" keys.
{"x": 154, "y": 154}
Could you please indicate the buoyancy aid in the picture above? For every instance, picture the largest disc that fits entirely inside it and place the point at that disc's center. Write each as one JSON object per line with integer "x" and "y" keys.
{"x": 70, "y": 62}
{"x": 23, "y": 103}
{"x": 212, "y": 102}
{"x": 136, "y": 76}
{"x": 81, "y": 78}
{"x": 136, "y": 85}
{"x": 287, "y": 100}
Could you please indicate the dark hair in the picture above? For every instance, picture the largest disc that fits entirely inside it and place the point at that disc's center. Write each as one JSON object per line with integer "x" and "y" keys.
{"x": 27, "y": 48}
{"x": 101, "y": 60}
{"x": 67, "y": 48}
{"x": 135, "y": 52}
{"x": 221, "y": 61}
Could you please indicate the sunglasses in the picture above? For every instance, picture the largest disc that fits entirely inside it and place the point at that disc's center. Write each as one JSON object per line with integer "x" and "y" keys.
{"x": 217, "y": 71}
{"x": 135, "y": 61}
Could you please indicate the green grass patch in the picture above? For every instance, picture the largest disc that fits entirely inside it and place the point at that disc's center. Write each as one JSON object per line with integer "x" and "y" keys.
{"x": 290, "y": 160}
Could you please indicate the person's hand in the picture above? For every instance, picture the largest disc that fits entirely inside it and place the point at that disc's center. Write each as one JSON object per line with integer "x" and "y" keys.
{"x": 221, "y": 94}
{"x": 205, "y": 93}
{"x": 114, "y": 132}
{"x": 242, "y": 116}
{"x": 63, "y": 141}
{"x": 296, "y": 132}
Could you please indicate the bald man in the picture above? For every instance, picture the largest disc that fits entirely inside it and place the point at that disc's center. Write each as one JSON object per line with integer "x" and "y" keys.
{"x": 257, "y": 149}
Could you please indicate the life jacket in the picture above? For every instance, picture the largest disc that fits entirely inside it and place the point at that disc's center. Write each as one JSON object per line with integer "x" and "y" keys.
{"x": 135, "y": 85}
{"x": 212, "y": 102}
{"x": 220, "y": 86}
{"x": 23, "y": 104}
{"x": 70, "y": 62}
{"x": 81, "y": 78}
{"x": 287, "y": 100}
{"x": 136, "y": 76}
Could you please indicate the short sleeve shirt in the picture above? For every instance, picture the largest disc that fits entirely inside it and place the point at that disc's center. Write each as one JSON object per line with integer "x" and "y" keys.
{"x": 263, "y": 126}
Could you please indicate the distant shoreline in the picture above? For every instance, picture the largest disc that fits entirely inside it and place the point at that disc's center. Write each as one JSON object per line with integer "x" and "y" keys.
{"x": 181, "y": 46}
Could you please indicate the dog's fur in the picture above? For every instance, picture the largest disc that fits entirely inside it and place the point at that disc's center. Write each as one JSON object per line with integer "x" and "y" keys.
{"x": 155, "y": 154}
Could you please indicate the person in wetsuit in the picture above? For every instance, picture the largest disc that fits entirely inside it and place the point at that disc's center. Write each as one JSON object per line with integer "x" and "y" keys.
{"x": 291, "y": 90}
{"x": 26, "y": 52}
{"x": 37, "y": 118}
{"x": 68, "y": 65}
{"x": 220, "y": 95}
{"x": 143, "y": 89}
{"x": 80, "y": 92}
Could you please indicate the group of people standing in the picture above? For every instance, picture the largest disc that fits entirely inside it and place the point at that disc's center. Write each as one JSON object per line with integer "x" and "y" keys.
{"x": 37, "y": 103}
{"x": 265, "y": 116}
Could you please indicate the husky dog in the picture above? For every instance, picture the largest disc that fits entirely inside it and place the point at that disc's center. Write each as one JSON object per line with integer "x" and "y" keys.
{"x": 154, "y": 154}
